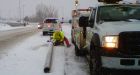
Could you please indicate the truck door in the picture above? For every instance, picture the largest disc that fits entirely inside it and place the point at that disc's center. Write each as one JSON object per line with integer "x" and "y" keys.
{"x": 90, "y": 28}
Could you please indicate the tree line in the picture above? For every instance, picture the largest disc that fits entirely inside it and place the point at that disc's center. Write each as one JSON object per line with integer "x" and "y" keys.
{"x": 42, "y": 12}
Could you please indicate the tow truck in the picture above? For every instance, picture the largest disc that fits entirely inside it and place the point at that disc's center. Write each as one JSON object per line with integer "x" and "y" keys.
{"x": 112, "y": 38}
{"x": 77, "y": 32}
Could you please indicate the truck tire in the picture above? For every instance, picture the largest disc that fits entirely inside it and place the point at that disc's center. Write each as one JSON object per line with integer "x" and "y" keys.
{"x": 72, "y": 40}
{"x": 94, "y": 62}
{"x": 44, "y": 33}
{"x": 77, "y": 51}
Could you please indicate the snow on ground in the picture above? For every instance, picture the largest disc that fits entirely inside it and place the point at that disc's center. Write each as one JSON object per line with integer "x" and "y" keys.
{"x": 73, "y": 65}
{"x": 58, "y": 61}
{"x": 28, "y": 58}
{"x": 4, "y": 27}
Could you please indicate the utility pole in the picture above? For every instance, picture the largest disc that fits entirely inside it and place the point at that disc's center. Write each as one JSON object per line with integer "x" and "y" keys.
{"x": 23, "y": 13}
{"x": 19, "y": 11}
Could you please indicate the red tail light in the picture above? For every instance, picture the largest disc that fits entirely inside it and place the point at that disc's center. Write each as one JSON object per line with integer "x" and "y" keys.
{"x": 49, "y": 25}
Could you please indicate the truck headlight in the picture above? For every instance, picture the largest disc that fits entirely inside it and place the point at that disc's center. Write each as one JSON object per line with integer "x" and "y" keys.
{"x": 110, "y": 41}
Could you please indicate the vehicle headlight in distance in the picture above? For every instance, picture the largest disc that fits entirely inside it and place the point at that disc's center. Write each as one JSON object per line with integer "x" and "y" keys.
{"x": 110, "y": 41}
{"x": 39, "y": 25}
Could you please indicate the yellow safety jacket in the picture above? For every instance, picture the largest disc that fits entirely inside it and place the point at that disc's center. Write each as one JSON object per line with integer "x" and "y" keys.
{"x": 58, "y": 36}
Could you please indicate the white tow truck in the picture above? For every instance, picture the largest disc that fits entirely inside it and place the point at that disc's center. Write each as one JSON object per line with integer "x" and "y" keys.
{"x": 113, "y": 38}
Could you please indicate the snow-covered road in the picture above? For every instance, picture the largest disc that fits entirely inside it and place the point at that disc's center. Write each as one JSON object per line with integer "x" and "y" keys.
{"x": 27, "y": 55}
{"x": 74, "y": 65}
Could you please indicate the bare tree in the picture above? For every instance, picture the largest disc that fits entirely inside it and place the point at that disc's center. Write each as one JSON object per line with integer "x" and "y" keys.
{"x": 52, "y": 12}
{"x": 43, "y": 11}
{"x": 26, "y": 18}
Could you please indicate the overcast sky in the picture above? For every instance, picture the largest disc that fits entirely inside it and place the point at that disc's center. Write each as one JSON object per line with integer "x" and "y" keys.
{"x": 10, "y": 8}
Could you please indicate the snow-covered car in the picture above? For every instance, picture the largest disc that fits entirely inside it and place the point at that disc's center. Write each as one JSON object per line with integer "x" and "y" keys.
{"x": 50, "y": 25}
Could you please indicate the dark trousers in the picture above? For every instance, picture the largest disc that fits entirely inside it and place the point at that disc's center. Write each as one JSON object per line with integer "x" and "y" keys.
{"x": 57, "y": 42}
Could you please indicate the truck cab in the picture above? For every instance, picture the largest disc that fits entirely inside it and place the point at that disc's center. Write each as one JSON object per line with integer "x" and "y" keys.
{"x": 113, "y": 38}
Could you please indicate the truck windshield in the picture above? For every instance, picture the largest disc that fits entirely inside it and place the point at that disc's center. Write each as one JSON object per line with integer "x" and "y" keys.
{"x": 119, "y": 13}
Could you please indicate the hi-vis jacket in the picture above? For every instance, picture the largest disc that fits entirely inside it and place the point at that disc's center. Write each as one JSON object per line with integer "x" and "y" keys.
{"x": 58, "y": 36}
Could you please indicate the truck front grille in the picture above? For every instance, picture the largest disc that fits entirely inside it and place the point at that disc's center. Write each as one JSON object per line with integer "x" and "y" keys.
{"x": 129, "y": 42}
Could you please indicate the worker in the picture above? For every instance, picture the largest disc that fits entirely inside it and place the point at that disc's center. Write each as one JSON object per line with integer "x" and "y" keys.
{"x": 59, "y": 38}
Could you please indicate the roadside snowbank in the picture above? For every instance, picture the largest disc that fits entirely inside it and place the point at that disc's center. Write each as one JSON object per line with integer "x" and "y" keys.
{"x": 4, "y": 27}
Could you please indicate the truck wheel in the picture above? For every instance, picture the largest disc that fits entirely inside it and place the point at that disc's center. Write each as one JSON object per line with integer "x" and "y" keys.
{"x": 77, "y": 51}
{"x": 72, "y": 37}
{"x": 91, "y": 67}
{"x": 44, "y": 33}
{"x": 94, "y": 68}
{"x": 72, "y": 40}
{"x": 94, "y": 63}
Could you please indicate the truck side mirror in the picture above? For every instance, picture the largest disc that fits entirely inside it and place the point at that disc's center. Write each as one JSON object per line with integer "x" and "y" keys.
{"x": 83, "y": 21}
{"x": 91, "y": 23}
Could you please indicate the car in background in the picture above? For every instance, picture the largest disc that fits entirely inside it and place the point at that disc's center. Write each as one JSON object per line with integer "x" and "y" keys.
{"x": 40, "y": 25}
{"x": 50, "y": 25}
